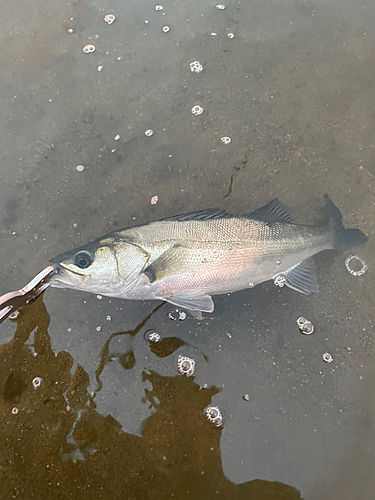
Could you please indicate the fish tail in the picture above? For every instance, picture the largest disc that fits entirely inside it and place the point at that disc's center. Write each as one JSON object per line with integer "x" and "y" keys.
{"x": 344, "y": 238}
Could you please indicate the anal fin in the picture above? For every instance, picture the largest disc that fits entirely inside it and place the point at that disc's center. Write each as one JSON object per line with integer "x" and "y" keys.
{"x": 302, "y": 278}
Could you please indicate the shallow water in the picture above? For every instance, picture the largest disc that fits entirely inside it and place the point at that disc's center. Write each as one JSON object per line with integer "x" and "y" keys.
{"x": 293, "y": 89}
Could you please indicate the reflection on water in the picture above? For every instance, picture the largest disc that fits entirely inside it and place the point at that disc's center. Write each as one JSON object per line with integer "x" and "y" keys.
{"x": 54, "y": 450}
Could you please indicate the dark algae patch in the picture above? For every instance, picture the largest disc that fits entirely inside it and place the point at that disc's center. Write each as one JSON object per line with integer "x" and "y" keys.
{"x": 177, "y": 456}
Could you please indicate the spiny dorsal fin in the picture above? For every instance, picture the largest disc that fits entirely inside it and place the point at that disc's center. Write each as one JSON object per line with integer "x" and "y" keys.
{"x": 274, "y": 211}
{"x": 211, "y": 213}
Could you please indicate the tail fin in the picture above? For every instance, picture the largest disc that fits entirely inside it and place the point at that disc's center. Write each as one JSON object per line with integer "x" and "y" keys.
{"x": 345, "y": 238}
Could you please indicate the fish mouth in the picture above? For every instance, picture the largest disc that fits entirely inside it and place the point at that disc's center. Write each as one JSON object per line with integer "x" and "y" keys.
{"x": 66, "y": 278}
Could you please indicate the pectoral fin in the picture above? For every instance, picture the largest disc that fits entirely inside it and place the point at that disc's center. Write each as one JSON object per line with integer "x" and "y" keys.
{"x": 196, "y": 314}
{"x": 302, "y": 278}
{"x": 169, "y": 262}
{"x": 202, "y": 302}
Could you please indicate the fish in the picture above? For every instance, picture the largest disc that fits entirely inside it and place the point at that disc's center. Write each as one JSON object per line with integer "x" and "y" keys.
{"x": 186, "y": 259}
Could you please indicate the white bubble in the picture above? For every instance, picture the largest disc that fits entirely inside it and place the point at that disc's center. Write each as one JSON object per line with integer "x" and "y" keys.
{"x": 108, "y": 318}
{"x": 153, "y": 337}
{"x": 154, "y": 200}
{"x": 165, "y": 29}
{"x": 226, "y": 140}
{"x": 37, "y": 382}
{"x": 196, "y": 67}
{"x": 98, "y": 328}
{"x": 15, "y": 410}
{"x": 99, "y": 297}
{"x": 230, "y": 35}
{"x": 305, "y": 326}
{"x": 213, "y": 414}
{"x": 186, "y": 366}
{"x": 177, "y": 314}
{"x": 117, "y": 137}
{"x": 159, "y": 7}
{"x": 80, "y": 168}
{"x": 70, "y": 30}
{"x": 149, "y": 132}
{"x": 14, "y": 315}
{"x": 220, "y": 6}
{"x": 100, "y": 68}
{"x": 197, "y": 110}
{"x": 88, "y": 49}
{"x": 109, "y": 18}
{"x": 279, "y": 280}
{"x": 181, "y": 315}
{"x": 327, "y": 358}
{"x": 352, "y": 271}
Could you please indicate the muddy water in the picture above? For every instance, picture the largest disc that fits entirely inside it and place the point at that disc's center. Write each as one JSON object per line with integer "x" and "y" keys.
{"x": 113, "y": 417}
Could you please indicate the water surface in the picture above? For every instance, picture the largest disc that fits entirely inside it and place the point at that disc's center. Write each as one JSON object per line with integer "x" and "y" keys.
{"x": 293, "y": 89}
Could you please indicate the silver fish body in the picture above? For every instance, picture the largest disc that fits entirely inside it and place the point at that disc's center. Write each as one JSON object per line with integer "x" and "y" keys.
{"x": 186, "y": 259}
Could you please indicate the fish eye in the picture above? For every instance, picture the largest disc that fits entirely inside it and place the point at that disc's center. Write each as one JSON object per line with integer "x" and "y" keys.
{"x": 83, "y": 260}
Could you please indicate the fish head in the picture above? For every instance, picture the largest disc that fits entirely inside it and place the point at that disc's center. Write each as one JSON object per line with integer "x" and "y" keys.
{"x": 105, "y": 267}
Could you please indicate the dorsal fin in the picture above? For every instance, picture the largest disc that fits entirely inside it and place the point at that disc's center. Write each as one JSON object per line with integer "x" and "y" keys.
{"x": 212, "y": 213}
{"x": 274, "y": 211}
